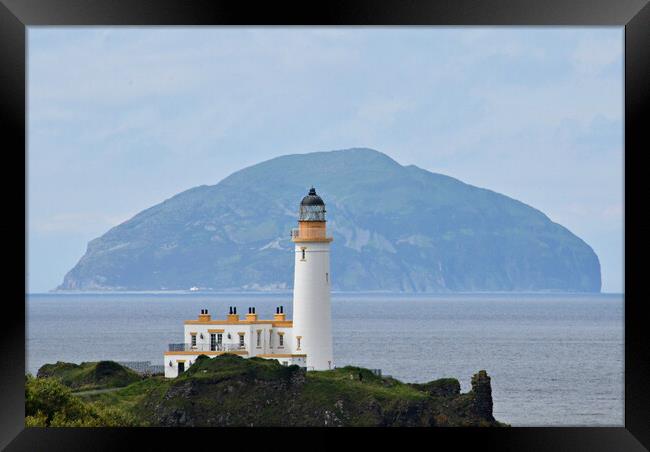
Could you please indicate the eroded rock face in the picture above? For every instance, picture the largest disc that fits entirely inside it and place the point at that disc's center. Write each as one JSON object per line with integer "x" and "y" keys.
{"x": 231, "y": 391}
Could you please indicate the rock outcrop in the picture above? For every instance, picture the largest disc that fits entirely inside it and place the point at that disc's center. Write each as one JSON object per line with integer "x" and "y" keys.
{"x": 481, "y": 406}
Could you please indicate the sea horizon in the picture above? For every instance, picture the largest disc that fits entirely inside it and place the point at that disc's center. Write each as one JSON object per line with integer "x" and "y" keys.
{"x": 290, "y": 291}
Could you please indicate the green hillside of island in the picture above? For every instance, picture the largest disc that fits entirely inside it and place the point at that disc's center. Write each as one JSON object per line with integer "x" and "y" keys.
{"x": 229, "y": 391}
{"x": 396, "y": 228}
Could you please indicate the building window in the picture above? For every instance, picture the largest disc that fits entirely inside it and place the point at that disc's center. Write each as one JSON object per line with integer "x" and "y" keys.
{"x": 271, "y": 338}
{"x": 303, "y": 254}
{"x": 281, "y": 340}
{"x": 259, "y": 338}
{"x": 193, "y": 340}
{"x": 285, "y": 363}
{"x": 327, "y": 277}
{"x": 298, "y": 340}
{"x": 213, "y": 342}
{"x": 241, "y": 341}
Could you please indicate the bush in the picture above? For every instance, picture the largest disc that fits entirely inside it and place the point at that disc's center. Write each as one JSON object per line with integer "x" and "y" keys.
{"x": 48, "y": 403}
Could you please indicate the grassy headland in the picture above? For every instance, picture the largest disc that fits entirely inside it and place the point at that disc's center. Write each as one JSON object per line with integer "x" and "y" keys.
{"x": 232, "y": 391}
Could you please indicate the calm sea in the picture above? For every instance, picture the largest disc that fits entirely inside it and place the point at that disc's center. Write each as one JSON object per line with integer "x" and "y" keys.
{"x": 553, "y": 359}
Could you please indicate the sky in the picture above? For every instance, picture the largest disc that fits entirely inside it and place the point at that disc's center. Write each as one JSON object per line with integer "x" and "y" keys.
{"x": 122, "y": 118}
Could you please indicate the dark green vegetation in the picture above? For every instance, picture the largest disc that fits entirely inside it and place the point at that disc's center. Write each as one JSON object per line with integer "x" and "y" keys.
{"x": 90, "y": 375}
{"x": 48, "y": 403}
{"x": 395, "y": 228}
{"x": 232, "y": 391}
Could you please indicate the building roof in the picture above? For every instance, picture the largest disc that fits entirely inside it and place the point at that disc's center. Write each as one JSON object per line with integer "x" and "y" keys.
{"x": 275, "y": 323}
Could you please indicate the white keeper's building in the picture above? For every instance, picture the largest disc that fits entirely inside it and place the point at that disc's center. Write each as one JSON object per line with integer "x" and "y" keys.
{"x": 305, "y": 341}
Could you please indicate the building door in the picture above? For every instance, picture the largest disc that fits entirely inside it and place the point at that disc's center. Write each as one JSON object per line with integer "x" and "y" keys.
{"x": 219, "y": 341}
{"x": 213, "y": 341}
{"x": 181, "y": 367}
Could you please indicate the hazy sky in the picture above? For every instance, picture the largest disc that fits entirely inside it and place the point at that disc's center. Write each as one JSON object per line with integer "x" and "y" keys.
{"x": 123, "y": 118}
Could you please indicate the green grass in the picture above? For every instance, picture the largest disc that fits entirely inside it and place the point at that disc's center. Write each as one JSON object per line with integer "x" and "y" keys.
{"x": 325, "y": 386}
{"x": 129, "y": 399}
{"x": 439, "y": 388}
{"x": 90, "y": 375}
{"x": 228, "y": 366}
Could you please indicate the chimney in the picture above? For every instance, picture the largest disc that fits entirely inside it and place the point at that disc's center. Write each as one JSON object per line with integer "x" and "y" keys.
{"x": 251, "y": 315}
{"x": 232, "y": 316}
{"x": 279, "y": 314}
{"x": 204, "y": 316}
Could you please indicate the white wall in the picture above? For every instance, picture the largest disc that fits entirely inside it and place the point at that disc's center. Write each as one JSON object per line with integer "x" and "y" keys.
{"x": 312, "y": 312}
{"x": 172, "y": 372}
{"x": 250, "y": 337}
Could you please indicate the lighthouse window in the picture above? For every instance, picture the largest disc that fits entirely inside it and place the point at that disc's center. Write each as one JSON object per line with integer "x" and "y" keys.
{"x": 303, "y": 254}
{"x": 241, "y": 341}
{"x": 327, "y": 277}
{"x": 281, "y": 340}
{"x": 193, "y": 340}
{"x": 271, "y": 338}
{"x": 298, "y": 339}
{"x": 259, "y": 338}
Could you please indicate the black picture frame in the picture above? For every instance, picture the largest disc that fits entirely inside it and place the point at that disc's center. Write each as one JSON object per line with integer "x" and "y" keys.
{"x": 16, "y": 15}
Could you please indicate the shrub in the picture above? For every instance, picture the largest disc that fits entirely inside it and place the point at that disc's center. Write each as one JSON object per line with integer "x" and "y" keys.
{"x": 48, "y": 403}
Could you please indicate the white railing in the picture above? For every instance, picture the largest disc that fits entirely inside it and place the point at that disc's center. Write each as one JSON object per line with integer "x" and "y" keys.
{"x": 204, "y": 347}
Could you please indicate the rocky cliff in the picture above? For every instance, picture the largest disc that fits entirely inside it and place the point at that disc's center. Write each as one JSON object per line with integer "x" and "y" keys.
{"x": 232, "y": 391}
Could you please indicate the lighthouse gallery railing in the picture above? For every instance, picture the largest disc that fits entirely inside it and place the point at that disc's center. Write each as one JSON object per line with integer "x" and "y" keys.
{"x": 307, "y": 234}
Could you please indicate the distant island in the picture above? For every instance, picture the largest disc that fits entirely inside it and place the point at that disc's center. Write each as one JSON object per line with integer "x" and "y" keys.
{"x": 396, "y": 228}
{"x": 230, "y": 391}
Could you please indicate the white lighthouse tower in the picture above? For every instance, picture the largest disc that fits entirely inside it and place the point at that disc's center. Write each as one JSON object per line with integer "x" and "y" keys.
{"x": 312, "y": 312}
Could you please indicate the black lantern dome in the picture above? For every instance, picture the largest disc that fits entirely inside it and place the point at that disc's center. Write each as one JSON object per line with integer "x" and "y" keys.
{"x": 312, "y": 199}
{"x": 312, "y": 207}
